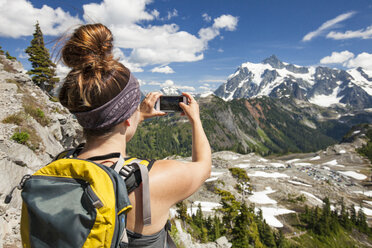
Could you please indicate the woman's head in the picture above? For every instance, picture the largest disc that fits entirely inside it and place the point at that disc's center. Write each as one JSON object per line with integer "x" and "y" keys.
{"x": 97, "y": 84}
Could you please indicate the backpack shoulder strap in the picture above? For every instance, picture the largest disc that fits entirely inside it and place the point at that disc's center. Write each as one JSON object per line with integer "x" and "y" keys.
{"x": 70, "y": 153}
{"x": 127, "y": 169}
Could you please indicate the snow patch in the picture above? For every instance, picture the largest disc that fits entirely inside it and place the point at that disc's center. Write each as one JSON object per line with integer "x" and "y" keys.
{"x": 315, "y": 158}
{"x": 269, "y": 215}
{"x": 326, "y": 100}
{"x": 367, "y": 211}
{"x": 205, "y": 207}
{"x": 211, "y": 179}
{"x": 277, "y": 165}
{"x": 312, "y": 196}
{"x": 292, "y": 160}
{"x": 354, "y": 175}
{"x": 261, "y": 197}
{"x": 243, "y": 166}
{"x": 332, "y": 162}
{"x": 366, "y": 193}
{"x": 265, "y": 174}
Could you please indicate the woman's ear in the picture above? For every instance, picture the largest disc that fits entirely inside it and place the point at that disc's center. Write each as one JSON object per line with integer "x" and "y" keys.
{"x": 127, "y": 122}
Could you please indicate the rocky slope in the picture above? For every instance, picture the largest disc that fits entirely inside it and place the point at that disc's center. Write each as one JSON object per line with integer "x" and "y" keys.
{"x": 320, "y": 85}
{"x": 281, "y": 186}
{"x": 25, "y": 108}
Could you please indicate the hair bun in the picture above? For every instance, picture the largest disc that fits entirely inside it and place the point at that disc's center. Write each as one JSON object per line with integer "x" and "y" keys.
{"x": 89, "y": 48}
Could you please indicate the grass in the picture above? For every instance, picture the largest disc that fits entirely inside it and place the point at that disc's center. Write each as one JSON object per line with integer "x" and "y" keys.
{"x": 35, "y": 109}
{"x": 17, "y": 118}
{"x": 19, "y": 85}
{"x": 33, "y": 141}
{"x": 341, "y": 239}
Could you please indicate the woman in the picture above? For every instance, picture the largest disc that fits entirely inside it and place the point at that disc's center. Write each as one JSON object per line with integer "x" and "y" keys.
{"x": 105, "y": 98}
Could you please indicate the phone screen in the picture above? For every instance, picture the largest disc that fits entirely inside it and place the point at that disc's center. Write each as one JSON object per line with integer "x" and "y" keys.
{"x": 171, "y": 103}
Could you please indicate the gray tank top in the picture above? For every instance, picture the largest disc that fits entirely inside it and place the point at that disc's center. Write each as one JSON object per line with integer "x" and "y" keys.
{"x": 157, "y": 240}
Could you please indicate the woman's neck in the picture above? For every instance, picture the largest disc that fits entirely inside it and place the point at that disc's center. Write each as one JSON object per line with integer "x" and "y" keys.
{"x": 97, "y": 147}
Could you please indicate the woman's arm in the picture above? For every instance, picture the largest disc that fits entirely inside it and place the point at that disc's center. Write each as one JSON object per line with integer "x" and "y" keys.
{"x": 175, "y": 180}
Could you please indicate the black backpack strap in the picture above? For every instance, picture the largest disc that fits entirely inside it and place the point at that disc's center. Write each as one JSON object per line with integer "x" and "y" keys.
{"x": 70, "y": 153}
{"x": 135, "y": 171}
{"x": 106, "y": 156}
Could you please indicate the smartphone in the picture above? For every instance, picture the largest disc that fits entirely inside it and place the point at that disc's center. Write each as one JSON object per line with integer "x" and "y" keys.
{"x": 170, "y": 103}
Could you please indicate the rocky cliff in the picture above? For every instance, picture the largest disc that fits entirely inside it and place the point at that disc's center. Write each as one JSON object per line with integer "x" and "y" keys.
{"x": 33, "y": 129}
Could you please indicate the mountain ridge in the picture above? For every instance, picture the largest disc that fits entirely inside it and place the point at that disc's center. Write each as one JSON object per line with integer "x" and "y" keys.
{"x": 320, "y": 85}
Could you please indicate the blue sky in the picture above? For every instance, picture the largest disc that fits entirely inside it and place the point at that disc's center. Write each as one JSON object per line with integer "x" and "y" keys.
{"x": 196, "y": 44}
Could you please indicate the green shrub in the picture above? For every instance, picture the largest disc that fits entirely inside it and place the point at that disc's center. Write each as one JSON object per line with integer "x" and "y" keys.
{"x": 37, "y": 114}
{"x": 20, "y": 137}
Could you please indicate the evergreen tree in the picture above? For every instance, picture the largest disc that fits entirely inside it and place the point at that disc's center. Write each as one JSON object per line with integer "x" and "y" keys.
{"x": 280, "y": 239}
{"x": 1, "y": 51}
{"x": 9, "y": 57}
{"x": 362, "y": 221}
{"x": 240, "y": 230}
{"x": 353, "y": 215}
{"x": 182, "y": 211}
{"x": 216, "y": 228}
{"x": 43, "y": 69}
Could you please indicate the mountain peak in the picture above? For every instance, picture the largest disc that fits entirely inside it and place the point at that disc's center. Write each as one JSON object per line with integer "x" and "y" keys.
{"x": 274, "y": 62}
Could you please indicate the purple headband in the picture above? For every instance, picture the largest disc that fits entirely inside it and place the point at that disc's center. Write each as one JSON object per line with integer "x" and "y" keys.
{"x": 117, "y": 110}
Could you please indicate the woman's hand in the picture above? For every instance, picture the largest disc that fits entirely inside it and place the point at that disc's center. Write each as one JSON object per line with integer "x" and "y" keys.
{"x": 147, "y": 109}
{"x": 192, "y": 109}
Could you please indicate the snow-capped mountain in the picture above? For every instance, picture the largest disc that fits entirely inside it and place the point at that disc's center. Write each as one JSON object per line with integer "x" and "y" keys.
{"x": 320, "y": 85}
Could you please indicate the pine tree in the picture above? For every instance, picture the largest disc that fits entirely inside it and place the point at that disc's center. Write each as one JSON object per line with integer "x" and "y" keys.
{"x": 43, "y": 69}
{"x": 182, "y": 211}
{"x": 1, "y": 51}
{"x": 241, "y": 228}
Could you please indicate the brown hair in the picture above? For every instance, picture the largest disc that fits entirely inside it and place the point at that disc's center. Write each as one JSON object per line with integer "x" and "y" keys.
{"x": 96, "y": 77}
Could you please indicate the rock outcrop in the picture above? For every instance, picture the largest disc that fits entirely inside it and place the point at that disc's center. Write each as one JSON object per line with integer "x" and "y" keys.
{"x": 55, "y": 131}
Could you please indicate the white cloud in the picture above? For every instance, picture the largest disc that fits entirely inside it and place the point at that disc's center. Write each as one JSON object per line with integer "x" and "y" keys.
{"x": 348, "y": 59}
{"x": 130, "y": 22}
{"x": 62, "y": 71}
{"x": 363, "y": 60}
{"x": 227, "y": 22}
{"x": 163, "y": 69}
{"x": 18, "y": 17}
{"x": 133, "y": 67}
{"x": 141, "y": 82}
{"x": 362, "y": 33}
{"x": 327, "y": 25}
{"x": 118, "y": 12}
{"x": 155, "y": 13}
{"x": 205, "y": 88}
{"x": 206, "y": 17}
{"x": 337, "y": 58}
{"x": 150, "y": 44}
{"x": 217, "y": 80}
{"x": 170, "y": 83}
{"x": 189, "y": 88}
{"x": 220, "y": 50}
{"x": 172, "y": 14}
